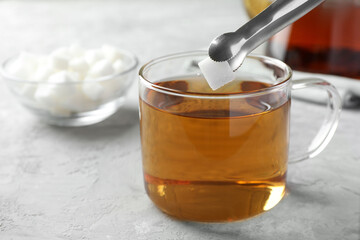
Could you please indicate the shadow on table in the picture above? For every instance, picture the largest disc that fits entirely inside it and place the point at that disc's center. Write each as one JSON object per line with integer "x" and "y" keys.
{"x": 124, "y": 120}
{"x": 304, "y": 194}
{"x": 224, "y": 231}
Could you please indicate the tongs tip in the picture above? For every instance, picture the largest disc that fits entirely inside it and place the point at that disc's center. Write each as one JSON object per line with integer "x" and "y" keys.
{"x": 220, "y": 48}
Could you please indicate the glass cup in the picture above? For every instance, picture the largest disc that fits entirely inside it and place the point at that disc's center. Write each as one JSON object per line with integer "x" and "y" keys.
{"x": 218, "y": 156}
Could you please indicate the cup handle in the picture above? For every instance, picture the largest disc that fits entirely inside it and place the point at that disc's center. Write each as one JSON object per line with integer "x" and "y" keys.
{"x": 327, "y": 130}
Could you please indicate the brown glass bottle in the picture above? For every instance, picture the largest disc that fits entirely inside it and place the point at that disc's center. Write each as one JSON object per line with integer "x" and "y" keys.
{"x": 326, "y": 40}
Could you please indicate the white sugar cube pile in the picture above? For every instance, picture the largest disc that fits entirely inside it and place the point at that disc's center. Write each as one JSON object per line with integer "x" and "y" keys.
{"x": 217, "y": 74}
{"x": 70, "y": 74}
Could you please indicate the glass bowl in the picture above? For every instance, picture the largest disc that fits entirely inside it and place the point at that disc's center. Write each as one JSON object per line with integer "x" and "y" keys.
{"x": 79, "y": 103}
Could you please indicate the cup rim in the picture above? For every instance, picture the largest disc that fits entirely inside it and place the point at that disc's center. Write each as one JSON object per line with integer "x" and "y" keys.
{"x": 130, "y": 68}
{"x": 148, "y": 83}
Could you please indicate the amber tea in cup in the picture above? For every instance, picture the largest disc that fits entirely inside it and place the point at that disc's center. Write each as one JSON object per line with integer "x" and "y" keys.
{"x": 216, "y": 156}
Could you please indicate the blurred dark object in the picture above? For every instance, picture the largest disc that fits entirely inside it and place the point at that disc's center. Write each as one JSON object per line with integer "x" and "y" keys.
{"x": 326, "y": 40}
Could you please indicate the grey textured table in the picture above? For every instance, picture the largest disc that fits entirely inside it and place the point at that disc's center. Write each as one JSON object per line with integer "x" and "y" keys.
{"x": 86, "y": 183}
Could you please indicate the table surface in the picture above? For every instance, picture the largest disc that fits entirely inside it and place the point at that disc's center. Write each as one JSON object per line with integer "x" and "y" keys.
{"x": 86, "y": 183}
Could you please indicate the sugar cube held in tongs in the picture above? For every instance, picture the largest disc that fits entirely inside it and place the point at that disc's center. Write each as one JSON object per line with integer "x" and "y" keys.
{"x": 228, "y": 51}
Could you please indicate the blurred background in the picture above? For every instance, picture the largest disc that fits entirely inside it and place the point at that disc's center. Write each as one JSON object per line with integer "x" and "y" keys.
{"x": 140, "y": 26}
{"x": 86, "y": 183}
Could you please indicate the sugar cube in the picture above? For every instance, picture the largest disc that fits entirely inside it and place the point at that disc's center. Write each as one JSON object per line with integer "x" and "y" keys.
{"x": 63, "y": 77}
{"x": 59, "y": 62}
{"x": 217, "y": 74}
{"x": 23, "y": 66}
{"x": 93, "y": 55}
{"x": 42, "y": 73}
{"x": 79, "y": 65}
{"x": 118, "y": 66}
{"x": 92, "y": 90}
{"x": 110, "y": 52}
{"x": 100, "y": 69}
{"x": 76, "y": 50}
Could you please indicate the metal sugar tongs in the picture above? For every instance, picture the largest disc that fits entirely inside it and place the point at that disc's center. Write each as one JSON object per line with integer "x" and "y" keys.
{"x": 233, "y": 47}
